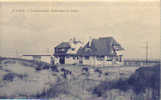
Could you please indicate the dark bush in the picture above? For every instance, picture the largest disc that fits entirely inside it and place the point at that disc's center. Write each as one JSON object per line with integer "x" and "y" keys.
{"x": 1, "y": 59}
{"x": 11, "y": 76}
{"x": 101, "y": 89}
{"x": 54, "y": 68}
{"x": 45, "y": 66}
{"x": 106, "y": 73}
{"x": 145, "y": 77}
{"x": 38, "y": 68}
{"x": 121, "y": 85}
{"x": 1, "y": 67}
{"x": 4, "y": 97}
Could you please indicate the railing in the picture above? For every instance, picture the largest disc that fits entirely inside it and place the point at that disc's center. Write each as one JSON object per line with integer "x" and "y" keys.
{"x": 140, "y": 61}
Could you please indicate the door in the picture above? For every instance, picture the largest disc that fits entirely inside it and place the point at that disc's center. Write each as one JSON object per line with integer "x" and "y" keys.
{"x": 62, "y": 60}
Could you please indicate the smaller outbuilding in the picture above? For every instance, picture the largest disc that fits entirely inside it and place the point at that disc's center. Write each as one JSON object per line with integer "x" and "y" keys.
{"x": 45, "y": 57}
{"x": 66, "y": 52}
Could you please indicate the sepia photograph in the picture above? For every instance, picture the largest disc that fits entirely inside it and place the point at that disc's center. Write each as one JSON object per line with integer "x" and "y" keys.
{"x": 80, "y": 50}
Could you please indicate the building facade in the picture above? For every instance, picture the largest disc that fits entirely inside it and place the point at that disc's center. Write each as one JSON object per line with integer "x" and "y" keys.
{"x": 96, "y": 52}
{"x": 66, "y": 52}
{"x": 101, "y": 52}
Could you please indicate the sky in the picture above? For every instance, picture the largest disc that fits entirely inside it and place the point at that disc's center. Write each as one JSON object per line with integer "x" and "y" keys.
{"x": 38, "y": 26}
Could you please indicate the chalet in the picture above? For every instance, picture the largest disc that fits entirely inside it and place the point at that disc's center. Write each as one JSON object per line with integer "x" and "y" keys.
{"x": 66, "y": 52}
{"x": 100, "y": 52}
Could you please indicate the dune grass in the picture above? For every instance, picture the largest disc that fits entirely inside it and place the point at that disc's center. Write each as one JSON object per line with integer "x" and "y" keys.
{"x": 36, "y": 80}
{"x": 144, "y": 78}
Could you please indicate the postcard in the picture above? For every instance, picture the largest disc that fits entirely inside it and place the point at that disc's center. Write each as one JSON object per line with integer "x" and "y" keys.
{"x": 80, "y": 50}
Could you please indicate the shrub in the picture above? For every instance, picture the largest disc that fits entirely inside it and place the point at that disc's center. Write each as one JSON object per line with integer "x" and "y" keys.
{"x": 1, "y": 59}
{"x": 11, "y": 76}
{"x": 145, "y": 77}
{"x": 1, "y": 67}
{"x": 38, "y": 68}
{"x": 54, "y": 68}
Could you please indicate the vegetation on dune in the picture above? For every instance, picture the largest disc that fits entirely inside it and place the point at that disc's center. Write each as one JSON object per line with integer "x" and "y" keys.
{"x": 54, "y": 91}
{"x": 38, "y": 65}
{"x": 144, "y": 78}
{"x": 12, "y": 76}
{"x": 1, "y": 59}
{"x": 73, "y": 81}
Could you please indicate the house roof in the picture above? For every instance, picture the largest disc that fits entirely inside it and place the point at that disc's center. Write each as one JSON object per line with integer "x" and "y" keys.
{"x": 74, "y": 47}
{"x": 100, "y": 47}
{"x": 63, "y": 45}
{"x": 70, "y": 48}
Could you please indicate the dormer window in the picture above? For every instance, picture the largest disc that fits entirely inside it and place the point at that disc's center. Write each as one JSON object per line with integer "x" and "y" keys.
{"x": 89, "y": 44}
{"x": 87, "y": 49}
{"x": 62, "y": 49}
{"x": 87, "y": 57}
{"x": 100, "y": 58}
{"x": 117, "y": 47}
{"x": 74, "y": 57}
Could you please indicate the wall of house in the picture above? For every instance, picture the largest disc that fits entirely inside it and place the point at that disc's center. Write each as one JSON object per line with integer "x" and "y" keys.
{"x": 56, "y": 60}
{"x": 32, "y": 58}
{"x": 27, "y": 57}
{"x": 36, "y": 58}
{"x": 93, "y": 61}
{"x": 46, "y": 59}
{"x": 71, "y": 60}
{"x": 68, "y": 60}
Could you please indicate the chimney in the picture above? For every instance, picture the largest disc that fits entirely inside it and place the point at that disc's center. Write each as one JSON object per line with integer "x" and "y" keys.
{"x": 90, "y": 41}
{"x": 71, "y": 40}
{"x": 74, "y": 39}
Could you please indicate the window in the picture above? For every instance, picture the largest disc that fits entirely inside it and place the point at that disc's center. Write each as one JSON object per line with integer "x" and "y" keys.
{"x": 109, "y": 59}
{"x": 74, "y": 57}
{"x": 100, "y": 58}
{"x": 67, "y": 56}
{"x": 87, "y": 57}
{"x": 63, "y": 49}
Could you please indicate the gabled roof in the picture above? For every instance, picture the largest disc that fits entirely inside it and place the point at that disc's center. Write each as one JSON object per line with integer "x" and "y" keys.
{"x": 63, "y": 45}
{"x": 69, "y": 48}
{"x": 100, "y": 47}
{"x": 75, "y": 45}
